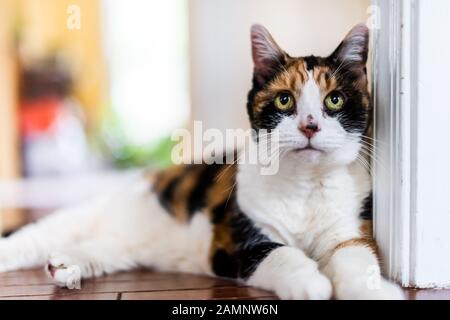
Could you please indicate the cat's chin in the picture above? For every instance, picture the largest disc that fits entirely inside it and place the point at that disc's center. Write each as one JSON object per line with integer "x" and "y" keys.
{"x": 309, "y": 155}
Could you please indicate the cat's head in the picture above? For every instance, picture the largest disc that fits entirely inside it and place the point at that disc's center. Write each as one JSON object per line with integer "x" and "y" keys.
{"x": 319, "y": 105}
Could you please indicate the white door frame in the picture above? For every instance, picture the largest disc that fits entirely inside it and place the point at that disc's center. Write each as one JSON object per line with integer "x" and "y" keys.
{"x": 415, "y": 248}
{"x": 393, "y": 152}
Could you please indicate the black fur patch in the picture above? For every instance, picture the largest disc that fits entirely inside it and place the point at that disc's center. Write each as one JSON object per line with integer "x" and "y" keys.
{"x": 219, "y": 212}
{"x": 224, "y": 265}
{"x": 166, "y": 196}
{"x": 250, "y": 100}
{"x": 367, "y": 210}
{"x": 269, "y": 118}
{"x": 197, "y": 198}
{"x": 250, "y": 257}
{"x": 311, "y": 62}
{"x": 252, "y": 246}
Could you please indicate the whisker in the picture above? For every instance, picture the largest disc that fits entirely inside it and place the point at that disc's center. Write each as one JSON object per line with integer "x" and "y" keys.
{"x": 364, "y": 164}
{"x": 373, "y": 158}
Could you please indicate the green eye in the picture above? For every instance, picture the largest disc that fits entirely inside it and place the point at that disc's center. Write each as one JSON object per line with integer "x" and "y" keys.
{"x": 334, "y": 101}
{"x": 284, "y": 101}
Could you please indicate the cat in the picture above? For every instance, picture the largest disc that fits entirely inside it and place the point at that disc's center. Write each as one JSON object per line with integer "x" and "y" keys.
{"x": 302, "y": 232}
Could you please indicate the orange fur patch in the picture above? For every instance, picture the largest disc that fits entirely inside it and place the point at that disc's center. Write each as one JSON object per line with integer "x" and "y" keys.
{"x": 358, "y": 242}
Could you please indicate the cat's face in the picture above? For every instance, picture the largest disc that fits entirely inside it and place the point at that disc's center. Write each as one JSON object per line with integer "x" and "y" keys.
{"x": 319, "y": 106}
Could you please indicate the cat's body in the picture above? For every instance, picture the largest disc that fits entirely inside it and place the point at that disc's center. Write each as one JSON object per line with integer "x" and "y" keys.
{"x": 298, "y": 232}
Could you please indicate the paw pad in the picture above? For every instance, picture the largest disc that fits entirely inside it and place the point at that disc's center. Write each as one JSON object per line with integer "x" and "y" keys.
{"x": 63, "y": 273}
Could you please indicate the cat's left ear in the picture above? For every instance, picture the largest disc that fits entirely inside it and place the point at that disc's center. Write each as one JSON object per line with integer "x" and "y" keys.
{"x": 353, "y": 50}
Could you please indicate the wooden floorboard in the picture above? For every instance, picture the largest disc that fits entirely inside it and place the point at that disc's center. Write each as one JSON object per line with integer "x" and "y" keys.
{"x": 229, "y": 293}
{"x": 137, "y": 285}
{"x": 81, "y": 296}
{"x": 148, "y": 285}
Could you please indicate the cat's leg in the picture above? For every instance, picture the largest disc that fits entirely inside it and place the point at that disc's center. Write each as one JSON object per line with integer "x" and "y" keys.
{"x": 285, "y": 270}
{"x": 31, "y": 246}
{"x": 354, "y": 270}
{"x": 92, "y": 258}
{"x": 146, "y": 236}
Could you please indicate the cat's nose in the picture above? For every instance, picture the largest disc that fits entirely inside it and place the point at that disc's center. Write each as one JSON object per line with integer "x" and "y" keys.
{"x": 309, "y": 127}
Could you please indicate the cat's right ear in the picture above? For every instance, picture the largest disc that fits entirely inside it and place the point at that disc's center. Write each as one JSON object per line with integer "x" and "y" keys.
{"x": 268, "y": 57}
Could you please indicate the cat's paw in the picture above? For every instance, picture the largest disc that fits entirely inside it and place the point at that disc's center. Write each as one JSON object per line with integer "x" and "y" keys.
{"x": 304, "y": 285}
{"x": 358, "y": 289}
{"x": 292, "y": 276}
{"x": 63, "y": 271}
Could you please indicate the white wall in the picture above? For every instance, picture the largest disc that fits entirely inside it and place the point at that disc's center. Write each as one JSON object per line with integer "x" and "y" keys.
{"x": 220, "y": 46}
{"x": 432, "y": 208}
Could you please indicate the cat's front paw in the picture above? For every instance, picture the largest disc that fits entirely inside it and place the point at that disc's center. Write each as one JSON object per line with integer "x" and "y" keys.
{"x": 359, "y": 289}
{"x": 64, "y": 273}
{"x": 304, "y": 285}
{"x": 292, "y": 276}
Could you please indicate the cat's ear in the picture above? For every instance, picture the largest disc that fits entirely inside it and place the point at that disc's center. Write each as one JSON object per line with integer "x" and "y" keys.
{"x": 268, "y": 57}
{"x": 353, "y": 50}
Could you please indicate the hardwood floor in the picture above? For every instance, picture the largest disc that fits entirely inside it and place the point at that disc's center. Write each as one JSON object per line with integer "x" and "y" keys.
{"x": 124, "y": 286}
{"x": 148, "y": 285}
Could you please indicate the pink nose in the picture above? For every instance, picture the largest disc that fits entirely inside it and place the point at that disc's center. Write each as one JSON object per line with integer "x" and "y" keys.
{"x": 309, "y": 128}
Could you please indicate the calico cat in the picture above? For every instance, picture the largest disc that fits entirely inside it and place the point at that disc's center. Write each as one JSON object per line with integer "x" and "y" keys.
{"x": 302, "y": 232}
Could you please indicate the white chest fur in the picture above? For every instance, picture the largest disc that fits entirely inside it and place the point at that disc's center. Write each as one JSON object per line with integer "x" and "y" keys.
{"x": 304, "y": 207}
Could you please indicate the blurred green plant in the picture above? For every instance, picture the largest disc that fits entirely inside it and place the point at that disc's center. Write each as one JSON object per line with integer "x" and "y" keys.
{"x": 120, "y": 153}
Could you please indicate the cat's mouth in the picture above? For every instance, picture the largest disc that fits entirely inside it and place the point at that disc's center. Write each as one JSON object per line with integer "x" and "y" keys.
{"x": 307, "y": 148}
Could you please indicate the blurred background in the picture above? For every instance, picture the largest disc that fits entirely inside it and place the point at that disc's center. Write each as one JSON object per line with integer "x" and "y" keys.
{"x": 91, "y": 90}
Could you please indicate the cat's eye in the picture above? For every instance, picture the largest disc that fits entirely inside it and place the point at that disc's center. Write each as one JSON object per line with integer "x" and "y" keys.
{"x": 335, "y": 101}
{"x": 284, "y": 101}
